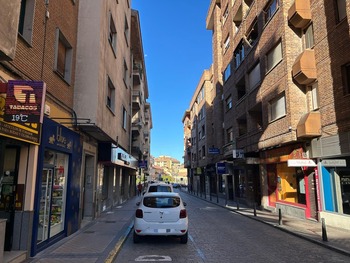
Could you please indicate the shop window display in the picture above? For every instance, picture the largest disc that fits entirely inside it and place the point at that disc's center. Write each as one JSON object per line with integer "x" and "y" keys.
{"x": 291, "y": 184}
{"x": 53, "y": 195}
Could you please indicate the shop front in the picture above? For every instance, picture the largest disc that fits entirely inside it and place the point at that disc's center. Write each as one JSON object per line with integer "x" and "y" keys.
{"x": 57, "y": 185}
{"x": 20, "y": 132}
{"x": 335, "y": 182}
{"x": 116, "y": 176}
{"x": 291, "y": 182}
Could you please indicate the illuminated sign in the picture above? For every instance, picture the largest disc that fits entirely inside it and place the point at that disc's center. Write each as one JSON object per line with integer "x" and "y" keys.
{"x": 25, "y": 101}
{"x": 28, "y": 132}
{"x": 301, "y": 163}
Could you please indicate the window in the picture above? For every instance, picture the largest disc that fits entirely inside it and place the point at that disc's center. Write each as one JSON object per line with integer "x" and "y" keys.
{"x": 274, "y": 56}
{"x": 25, "y": 25}
{"x": 271, "y": 9}
{"x": 309, "y": 37}
{"x": 203, "y": 131}
{"x": 63, "y": 57}
{"x": 126, "y": 75}
{"x": 252, "y": 34}
{"x": 341, "y": 9}
{"x": 126, "y": 29}
{"x": 314, "y": 96}
{"x": 229, "y": 103}
{"x": 203, "y": 151}
{"x": 345, "y": 70}
{"x": 125, "y": 120}
{"x": 227, "y": 72}
{"x": 226, "y": 43}
{"x": 201, "y": 114}
{"x": 242, "y": 125}
{"x": 110, "y": 95}
{"x": 229, "y": 135}
{"x": 277, "y": 108}
{"x": 224, "y": 17}
{"x": 254, "y": 76}
{"x": 239, "y": 54}
{"x": 200, "y": 95}
{"x": 112, "y": 34}
{"x": 241, "y": 89}
{"x": 237, "y": 19}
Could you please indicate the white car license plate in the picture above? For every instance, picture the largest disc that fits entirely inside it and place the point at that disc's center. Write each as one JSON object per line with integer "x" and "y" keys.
{"x": 162, "y": 230}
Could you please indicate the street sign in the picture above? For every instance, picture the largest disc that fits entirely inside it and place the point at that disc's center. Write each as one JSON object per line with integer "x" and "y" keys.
{"x": 214, "y": 151}
{"x": 220, "y": 168}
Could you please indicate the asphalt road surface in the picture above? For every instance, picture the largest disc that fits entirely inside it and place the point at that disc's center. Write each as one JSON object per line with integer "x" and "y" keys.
{"x": 217, "y": 235}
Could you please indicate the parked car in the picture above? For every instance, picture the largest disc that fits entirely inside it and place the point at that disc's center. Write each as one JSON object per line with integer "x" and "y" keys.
{"x": 159, "y": 187}
{"x": 176, "y": 185}
{"x": 161, "y": 214}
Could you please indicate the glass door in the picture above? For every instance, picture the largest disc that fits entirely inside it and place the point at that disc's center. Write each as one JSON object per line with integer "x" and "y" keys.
{"x": 45, "y": 204}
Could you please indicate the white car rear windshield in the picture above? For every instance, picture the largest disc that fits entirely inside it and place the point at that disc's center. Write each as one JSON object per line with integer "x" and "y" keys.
{"x": 159, "y": 188}
{"x": 161, "y": 202}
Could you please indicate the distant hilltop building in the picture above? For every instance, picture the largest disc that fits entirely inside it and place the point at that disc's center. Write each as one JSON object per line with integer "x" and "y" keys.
{"x": 167, "y": 162}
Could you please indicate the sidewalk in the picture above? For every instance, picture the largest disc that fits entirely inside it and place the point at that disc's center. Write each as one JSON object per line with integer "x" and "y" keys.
{"x": 101, "y": 240}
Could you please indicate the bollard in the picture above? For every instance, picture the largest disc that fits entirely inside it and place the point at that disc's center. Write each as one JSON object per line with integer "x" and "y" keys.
{"x": 279, "y": 216}
{"x": 254, "y": 209}
{"x": 237, "y": 204}
{"x": 324, "y": 230}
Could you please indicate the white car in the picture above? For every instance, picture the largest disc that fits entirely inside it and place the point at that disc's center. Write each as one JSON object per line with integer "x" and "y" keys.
{"x": 161, "y": 214}
{"x": 159, "y": 187}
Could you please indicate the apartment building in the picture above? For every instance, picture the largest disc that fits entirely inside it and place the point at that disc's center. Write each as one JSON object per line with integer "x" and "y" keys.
{"x": 39, "y": 187}
{"x": 141, "y": 115}
{"x": 66, "y": 98}
{"x": 280, "y": 72}
{"x": 200, "y": 146}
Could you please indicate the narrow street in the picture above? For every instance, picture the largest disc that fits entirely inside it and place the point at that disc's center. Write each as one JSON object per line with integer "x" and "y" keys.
{"x": 219, "y": 235}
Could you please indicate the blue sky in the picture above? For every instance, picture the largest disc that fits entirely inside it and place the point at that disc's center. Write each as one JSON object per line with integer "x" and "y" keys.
{"x": 177, "y": 50}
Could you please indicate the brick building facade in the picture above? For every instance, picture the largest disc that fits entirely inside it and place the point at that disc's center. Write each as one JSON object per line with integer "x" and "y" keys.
{"x": 280, "y": 72}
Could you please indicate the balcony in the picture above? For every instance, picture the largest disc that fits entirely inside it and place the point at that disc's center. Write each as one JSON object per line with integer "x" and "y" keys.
{"x": 228, "y": 149}
{"x": 304, "y": 68}
{"x": 299, "y": 14}
{"x": 136, "y": 101}
{"x": 309, "y": 125}
{"x": 137, "y": 73}
{"x": 10, "y": 13}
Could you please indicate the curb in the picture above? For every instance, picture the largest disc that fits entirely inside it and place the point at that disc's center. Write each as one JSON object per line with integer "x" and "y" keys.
{"x": 115, "y": 251}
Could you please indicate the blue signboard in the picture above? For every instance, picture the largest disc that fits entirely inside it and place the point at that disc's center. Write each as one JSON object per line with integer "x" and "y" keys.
{"x": 220, "y": 168}
{"x": 214, "y": 151}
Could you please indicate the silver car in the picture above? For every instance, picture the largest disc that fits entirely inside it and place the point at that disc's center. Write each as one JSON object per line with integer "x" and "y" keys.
{"x": 161, "y": 214}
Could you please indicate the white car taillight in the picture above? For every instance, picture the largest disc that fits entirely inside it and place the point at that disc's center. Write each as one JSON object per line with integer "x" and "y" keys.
{"x": 139, "y": 213}
{"x": 183, "y": 213}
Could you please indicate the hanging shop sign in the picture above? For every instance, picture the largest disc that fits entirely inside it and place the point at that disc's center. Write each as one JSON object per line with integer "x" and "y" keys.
{"x": 21, "y": 125}
{"x": 334, "y": 163}
{"x": 143, "y": 164}
{"x": 220, "y": 168}
{"x": 25, "y": 101}
{"x": 238, "y": 153}
{"x": 301, "y": 163}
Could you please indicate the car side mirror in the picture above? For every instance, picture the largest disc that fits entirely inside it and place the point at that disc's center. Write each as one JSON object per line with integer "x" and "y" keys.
{"x": 185, "y": 203}
{"x": 138, "y": 203}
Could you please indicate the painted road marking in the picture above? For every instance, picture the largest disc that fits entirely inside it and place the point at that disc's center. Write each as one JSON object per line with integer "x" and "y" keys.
{"x": 153, "y": 258}
{"x": 199, "y": 252}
